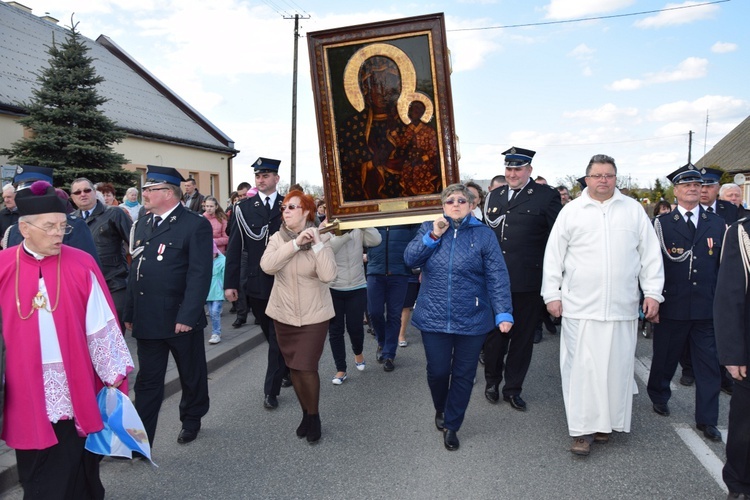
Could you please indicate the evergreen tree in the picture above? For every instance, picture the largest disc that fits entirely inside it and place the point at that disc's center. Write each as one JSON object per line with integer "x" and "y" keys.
{"x": 70, "y": 132}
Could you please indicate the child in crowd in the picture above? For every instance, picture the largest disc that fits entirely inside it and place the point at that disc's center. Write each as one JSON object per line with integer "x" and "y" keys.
{"x": 215, "y": 300}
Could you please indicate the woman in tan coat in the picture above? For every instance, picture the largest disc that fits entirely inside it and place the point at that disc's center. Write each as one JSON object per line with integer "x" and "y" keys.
{"x": 300, "y": 303}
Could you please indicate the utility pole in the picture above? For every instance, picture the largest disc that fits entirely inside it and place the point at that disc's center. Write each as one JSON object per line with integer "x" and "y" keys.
{"x": 293, "y": 173}
{"x": 690, "y": 145}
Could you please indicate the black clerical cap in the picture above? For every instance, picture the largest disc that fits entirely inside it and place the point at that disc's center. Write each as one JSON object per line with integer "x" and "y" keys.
{"x": 39, "y": 198}
{"x": 582, "y": 182}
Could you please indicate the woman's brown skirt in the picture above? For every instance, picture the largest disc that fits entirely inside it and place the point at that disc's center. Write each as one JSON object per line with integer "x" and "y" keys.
{"x": 301, "y": 346}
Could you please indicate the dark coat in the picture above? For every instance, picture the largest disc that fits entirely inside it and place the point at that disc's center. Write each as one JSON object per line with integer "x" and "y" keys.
{"x": 256, "y": 216}
{"x": 173, "y": 289}
{"x": 732, "y": 301}
{"x": 727, "y": 211}
{"x": 523, "y": 234}
{"x": 110, "y": 228}
{"x": 465, "y": 287}
{"x": 689, "y": 291}
{"x": 7, "y": 219}
{"x": 195, "y": 202}
{"x": 388, "y": 257}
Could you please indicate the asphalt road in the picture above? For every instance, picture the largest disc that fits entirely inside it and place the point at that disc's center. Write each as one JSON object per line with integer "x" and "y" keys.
{"x": 379, "y": 441}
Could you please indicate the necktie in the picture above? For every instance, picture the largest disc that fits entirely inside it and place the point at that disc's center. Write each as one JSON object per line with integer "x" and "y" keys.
{"x": 515, "y": 193}
{"x": 690, "y": 225}
{"x": 268, "y": 203}
{"x": 710, "y": 209}
{"x": 85, "y": 214}
{"x": 157, "y": 221}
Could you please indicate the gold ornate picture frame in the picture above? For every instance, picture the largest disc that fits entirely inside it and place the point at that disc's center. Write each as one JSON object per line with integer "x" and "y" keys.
{"x": 385, "y": 119}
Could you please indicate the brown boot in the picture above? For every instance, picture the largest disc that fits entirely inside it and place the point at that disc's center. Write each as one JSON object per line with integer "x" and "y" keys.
{"x": 581, "y": 446}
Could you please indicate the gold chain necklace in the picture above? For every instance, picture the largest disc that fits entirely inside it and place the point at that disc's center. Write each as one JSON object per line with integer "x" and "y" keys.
{"x": 38, "y": 302}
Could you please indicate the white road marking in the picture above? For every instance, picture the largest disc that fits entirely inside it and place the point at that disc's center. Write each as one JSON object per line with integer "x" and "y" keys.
{"x": 702, "y": 452}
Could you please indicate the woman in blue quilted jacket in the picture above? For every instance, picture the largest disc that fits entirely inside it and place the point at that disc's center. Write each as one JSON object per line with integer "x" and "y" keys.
{"x": 465, "y": 293}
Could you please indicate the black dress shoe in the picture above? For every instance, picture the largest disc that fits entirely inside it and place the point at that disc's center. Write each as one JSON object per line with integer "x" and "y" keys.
{"x": 450, "y": 439}
{"x": 440, "y": 420}
{"x": 286, "y": 382}
{"x": 709, "y": 431}
{"x": 313, "y": 431}
{"x": 270, "y": 402}
{"x": 662, "y": 409}
{"x": 379, "y": 355}
{"x": 516, "y": 402}
{"x": 388, "y": 365}
{"x": 239, "y": 322}
{"x": 186, "y": 435}
{"x": 492, "y": 394}
{"x": 687, "y": 380}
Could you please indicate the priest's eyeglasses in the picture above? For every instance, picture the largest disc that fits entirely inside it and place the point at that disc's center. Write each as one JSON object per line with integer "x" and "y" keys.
{"x": 51, "y": 229}
{"x": 606, "y": 177}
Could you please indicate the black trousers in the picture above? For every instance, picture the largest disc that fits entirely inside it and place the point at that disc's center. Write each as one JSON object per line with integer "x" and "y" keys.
{"x": 737, "y": 469}
{"x": 508, "y": 355}
{"x": 119, "y": 297}
{"x": 669, "y": 341}
{"x": 243, "y": 301}
{"x": 350, "y": 307}
{"x": 189, "y": 353}
{"x": 64, "y": 471}
{"x": 276, "y": 368}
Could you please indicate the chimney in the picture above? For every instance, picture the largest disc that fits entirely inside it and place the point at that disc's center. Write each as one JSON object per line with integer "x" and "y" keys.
{"x": 19, "y": 6}
{"x": 48, "y": 18}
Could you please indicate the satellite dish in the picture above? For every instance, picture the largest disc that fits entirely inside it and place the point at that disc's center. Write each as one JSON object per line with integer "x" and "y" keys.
{"x": 739, "y": 179}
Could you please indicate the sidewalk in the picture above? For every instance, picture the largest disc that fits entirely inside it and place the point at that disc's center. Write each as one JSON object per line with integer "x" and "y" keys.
{"x": 234, "y": 343}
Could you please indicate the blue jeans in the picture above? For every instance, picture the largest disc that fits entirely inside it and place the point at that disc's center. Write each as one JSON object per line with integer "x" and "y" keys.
{"x": 350, "y": 309}
{"x": 214, "y": 310}
{"x": 451, "y": 368}
{"x": 385, "y": 296}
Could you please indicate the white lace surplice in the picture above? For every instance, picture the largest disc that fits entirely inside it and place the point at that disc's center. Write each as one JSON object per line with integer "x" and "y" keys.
{"x": 109, "y": 353}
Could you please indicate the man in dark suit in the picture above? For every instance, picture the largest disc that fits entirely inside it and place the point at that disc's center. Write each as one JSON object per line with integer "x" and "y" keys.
{"x": 729, "y": 213}
{"x": 521, "y": 214}
{"x": 731, "y": 310}
{"x": 167, "y": 289}
{"x": 690, "y": 240}
{"x": 255, "y": 220}
{"x": 110, "y": 228}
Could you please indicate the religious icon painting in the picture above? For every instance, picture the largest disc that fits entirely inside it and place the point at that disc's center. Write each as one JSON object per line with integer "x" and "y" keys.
{"x": 385, "y": 119}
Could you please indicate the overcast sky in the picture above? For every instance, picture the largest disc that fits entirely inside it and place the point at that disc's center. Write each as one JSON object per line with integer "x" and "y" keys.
{"x": 629, "y": 86}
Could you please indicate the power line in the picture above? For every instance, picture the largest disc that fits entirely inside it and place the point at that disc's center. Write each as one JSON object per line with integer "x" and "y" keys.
{"x": 613, "y": 16}
{"x": 585, "y": 143}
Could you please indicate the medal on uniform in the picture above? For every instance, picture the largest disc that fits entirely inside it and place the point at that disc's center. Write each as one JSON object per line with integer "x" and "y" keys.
{"x": 710, "y": 242}
{"x": 673, "y": 250}
{"x": 160, "y": 251}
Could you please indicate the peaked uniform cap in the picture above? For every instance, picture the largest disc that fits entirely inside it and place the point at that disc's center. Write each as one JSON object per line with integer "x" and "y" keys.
{"x": 685, "y": 174}
{"x": 162, "y": 175}
{"x": 518, "y": 157}
{"x": 711, "y": 175}
{"x": 262, "y": 165}
{"x": 27, "y": 173}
